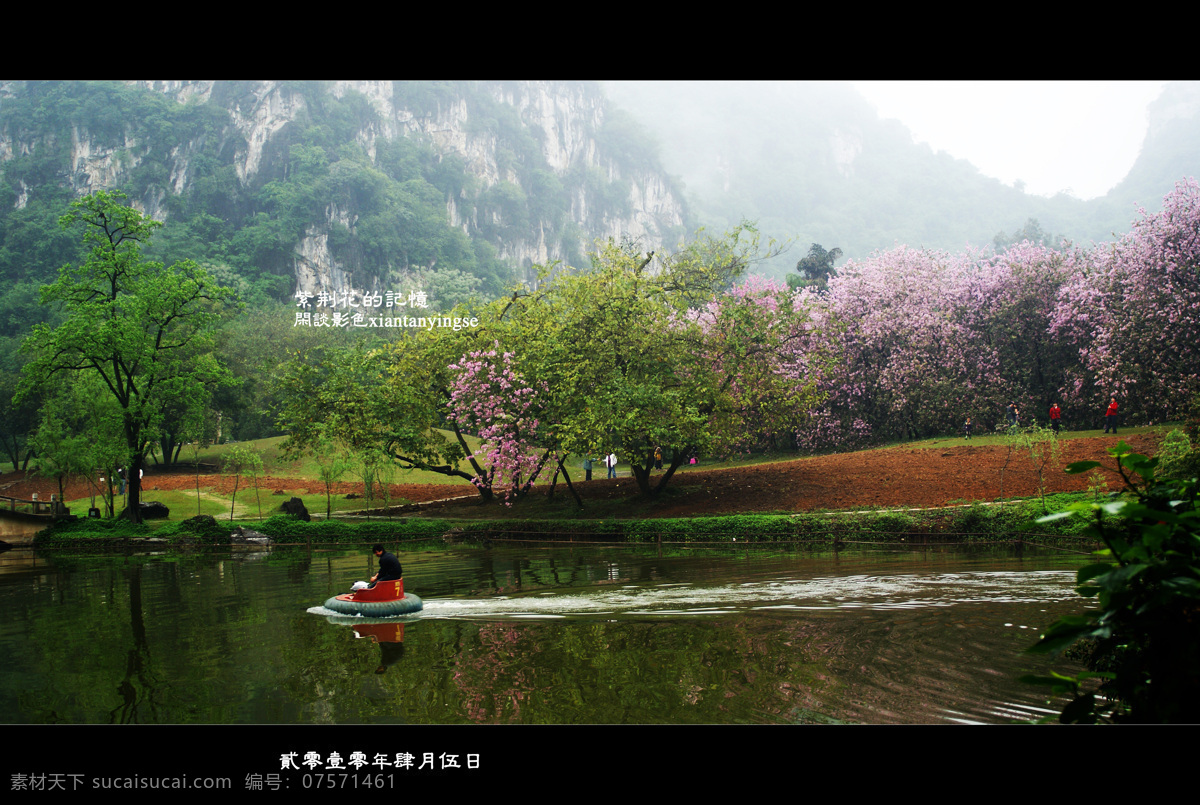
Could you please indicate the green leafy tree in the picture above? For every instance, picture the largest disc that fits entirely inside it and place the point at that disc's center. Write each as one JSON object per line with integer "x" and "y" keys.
{"x": 393, "y": 398}
{"x": 1178, "y": 457}
{"x": 1179, "y": 453}
{"x": 198, "y": 429}
{"x": 143, "y": 329}
{"x": 61, "y": 450}
{"x": 18, "y": 419}
{"x": 637, "y": 353}
{"x": 814, "y": 269}
{"x": 366, "y": 465}
{"x": 385, "y": 474}
{"x": 98, "y": 417}
{"x": 79, "y": 434}
{"x": 1031, "y": 232}
{"x": 1144, "y": 634}
{"x": 241, "y": 460}
{"x": 1042, "y": 448}
{"x": 333, "y": 461}
{"x": 646, "y": 351}
{"x": 178, "y": 417}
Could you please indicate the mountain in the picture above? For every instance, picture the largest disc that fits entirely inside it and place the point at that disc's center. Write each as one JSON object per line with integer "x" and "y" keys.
{"x": 1170, "y": 152}
{"x": 463, "y": 186}
{"x": 813, "y": 161}
{"x": 309, "y": 186}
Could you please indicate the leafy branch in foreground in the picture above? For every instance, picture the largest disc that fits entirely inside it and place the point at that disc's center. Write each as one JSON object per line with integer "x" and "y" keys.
{"x": 1145, "y": 634}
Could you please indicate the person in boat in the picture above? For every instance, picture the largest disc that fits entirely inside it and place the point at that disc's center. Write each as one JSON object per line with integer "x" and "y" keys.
{"x": 389, "y": 566}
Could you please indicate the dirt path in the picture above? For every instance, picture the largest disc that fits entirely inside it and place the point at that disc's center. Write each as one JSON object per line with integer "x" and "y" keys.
{"x": 895, "y": 477}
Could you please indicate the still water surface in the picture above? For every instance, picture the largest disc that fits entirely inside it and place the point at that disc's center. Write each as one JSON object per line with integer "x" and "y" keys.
{"x": 530, "y": 636}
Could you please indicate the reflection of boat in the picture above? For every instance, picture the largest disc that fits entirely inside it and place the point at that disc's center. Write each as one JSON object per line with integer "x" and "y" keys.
{"x": 387, "y": 633}
{"x": 380, "y": 630}
{"x": 385, "y": 599}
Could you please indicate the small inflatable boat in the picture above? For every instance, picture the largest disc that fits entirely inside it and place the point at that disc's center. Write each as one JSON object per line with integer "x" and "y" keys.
{"x": 385, "y": 599}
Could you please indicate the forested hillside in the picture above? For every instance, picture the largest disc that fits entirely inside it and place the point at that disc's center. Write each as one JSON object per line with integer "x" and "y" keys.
{"x": 453, "y": 190}
{"x": 268, "y": 180}
{"x": 291, "y": 195}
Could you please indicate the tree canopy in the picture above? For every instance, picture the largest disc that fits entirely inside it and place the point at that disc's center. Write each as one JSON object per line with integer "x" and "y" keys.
{"x": 640, "y": 352}
{"x": 142, "y": 329}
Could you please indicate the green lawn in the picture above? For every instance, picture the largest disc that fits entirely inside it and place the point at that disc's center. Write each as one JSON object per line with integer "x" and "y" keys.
{"x": 183, "y": 503}
{"x": 308, "y": 467}
{"x": 998, "y": 438}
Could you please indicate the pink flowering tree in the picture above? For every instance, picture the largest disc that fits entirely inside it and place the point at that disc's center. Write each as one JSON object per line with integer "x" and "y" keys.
{"x": 1132, "y": 312}
{"x": 490, "y": 397}
{"x": 643, "y": 351}
{"x": 904, "y": 353}
{"x": 926, "y": 339}
{"x": 1008, "y": 306}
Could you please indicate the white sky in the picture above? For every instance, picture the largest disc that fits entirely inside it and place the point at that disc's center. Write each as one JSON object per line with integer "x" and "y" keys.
{"x": 1076, "y": 136}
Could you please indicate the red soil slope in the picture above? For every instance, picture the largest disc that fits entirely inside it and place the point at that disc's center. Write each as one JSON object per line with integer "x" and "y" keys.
{"x": 895, "y": 477}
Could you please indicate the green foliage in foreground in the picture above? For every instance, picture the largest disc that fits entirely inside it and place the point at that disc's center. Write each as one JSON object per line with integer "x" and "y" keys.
{"x": 1145, "y": 631}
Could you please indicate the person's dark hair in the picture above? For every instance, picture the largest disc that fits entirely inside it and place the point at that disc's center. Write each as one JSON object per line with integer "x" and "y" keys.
{"x": 377, "y": 549}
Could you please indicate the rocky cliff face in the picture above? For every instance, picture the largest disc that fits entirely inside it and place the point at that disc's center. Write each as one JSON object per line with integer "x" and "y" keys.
{"x": 564, "y": 118}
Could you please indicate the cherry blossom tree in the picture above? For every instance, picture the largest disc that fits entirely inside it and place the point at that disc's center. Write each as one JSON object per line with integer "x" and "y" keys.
{"x": 1133, "y": 313}
{"x": 925, "y": 339}
{"x": 490, "y": 397}
{"x": 903, "y": 353}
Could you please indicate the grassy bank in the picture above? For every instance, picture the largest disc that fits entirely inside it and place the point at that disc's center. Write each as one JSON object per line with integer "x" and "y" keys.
{"x": 977, "y": 523}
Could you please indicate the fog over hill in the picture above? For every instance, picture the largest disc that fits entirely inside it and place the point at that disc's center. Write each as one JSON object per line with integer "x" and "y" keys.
{"x": 466, "y": 186}
{"x": 814, "y": 161}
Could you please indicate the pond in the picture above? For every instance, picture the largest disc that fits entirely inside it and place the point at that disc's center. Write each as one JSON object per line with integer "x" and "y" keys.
{"x": 531, "y": 635}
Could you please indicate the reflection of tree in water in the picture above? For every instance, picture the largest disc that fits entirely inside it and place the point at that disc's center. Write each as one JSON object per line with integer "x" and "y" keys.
{"x": 137, "y": 666}
{"x": 299, "y": 565}
{"x": 508, "y": 576}
{"x": 660, "y": 671}
{"x": 498, "y": 676}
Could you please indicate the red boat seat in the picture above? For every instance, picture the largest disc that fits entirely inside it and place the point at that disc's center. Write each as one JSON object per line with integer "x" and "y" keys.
{"x": 382, "y": 591}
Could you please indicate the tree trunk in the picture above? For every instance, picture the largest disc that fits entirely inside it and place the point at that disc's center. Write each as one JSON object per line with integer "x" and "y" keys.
{"x": 567, "y": 477}
{"x": 677, "y": 461}
{"x": 533, "y": 476}
{"x": 133, "y": 503}
{"x": 233, "y": 501}
{"x": 642, "y": 476}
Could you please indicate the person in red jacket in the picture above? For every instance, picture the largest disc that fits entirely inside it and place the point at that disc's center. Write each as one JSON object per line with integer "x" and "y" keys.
{"x": 1110, "y": 416}
{"x": 1055, "y": 416}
